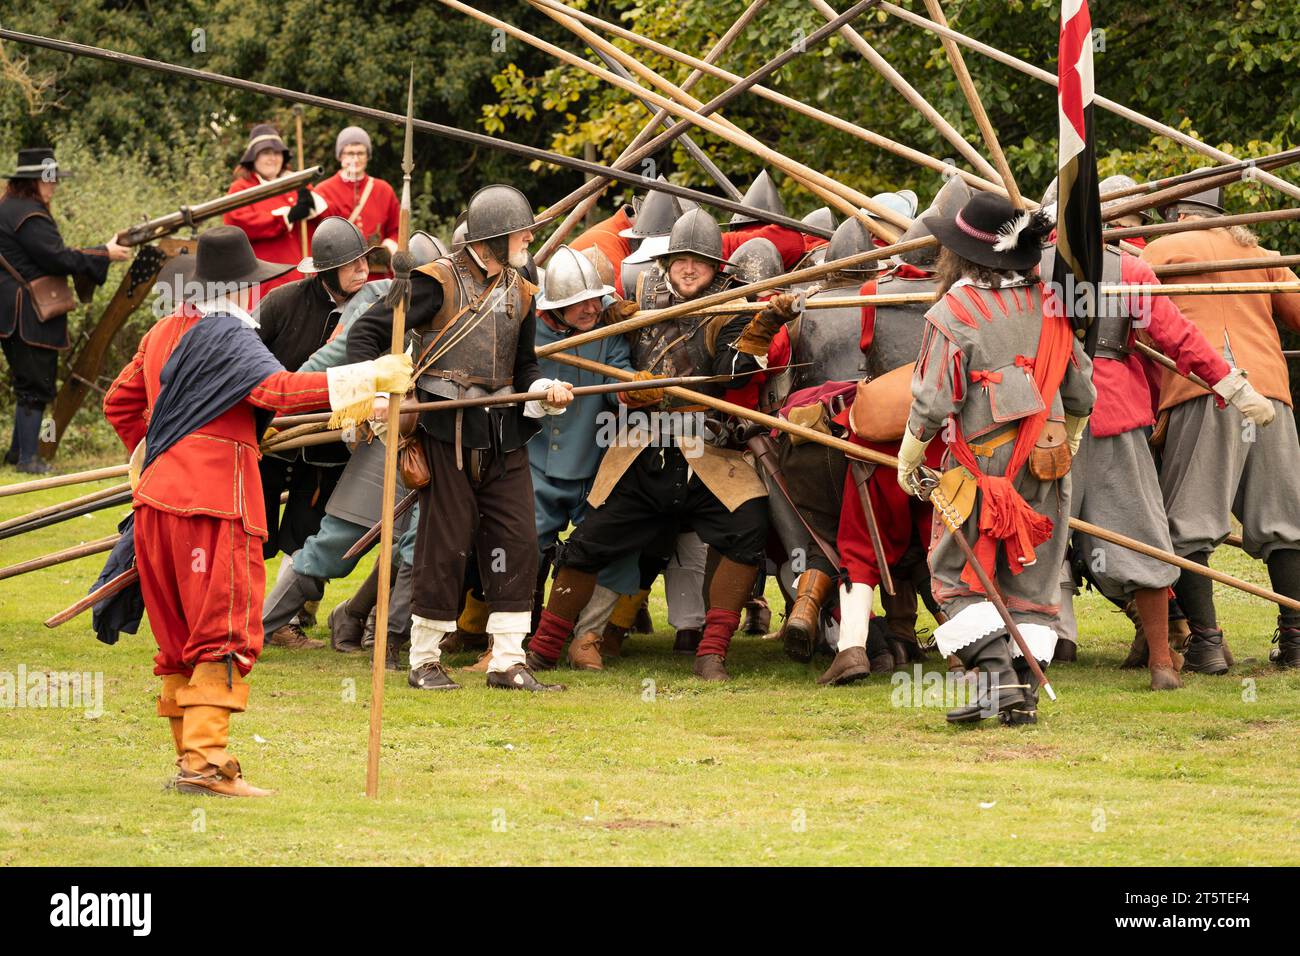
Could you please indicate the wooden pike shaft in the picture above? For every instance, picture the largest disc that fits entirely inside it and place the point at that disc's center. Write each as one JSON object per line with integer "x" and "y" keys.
{"x": 60, "y": 481}
{"x": 62, "y": 506}
{"x": 1241, "y": 167}
{"x": 1177, "y": 136}
{"x": 604, "y": 49}
{"x": 59, "y": 557}
{"x": 1167, "y": 195}
{"x": 704, "y": 122}
{"x": 297, "y": 123}
{"x": 695, "y": 305}
{"x": 1225, "y": 265}
{"x": 106, "y": 590}
{"x": 1203, "y": 288}
{"x": 803, "y": 109}
{"x": 1160, "y": 358}
{"x": 908, "y": 92}
{"x": 1192, "y": 225}
{"x": 876, "y": 458}
{"x": 576, "y": 214}
{"x": 967, "y": 84}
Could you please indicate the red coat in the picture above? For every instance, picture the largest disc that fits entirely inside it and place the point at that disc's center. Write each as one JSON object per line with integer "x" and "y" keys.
{"x": 788, "y": 242}
{"x": 378, "y": 219}
{"x": 272, "y": 236}
{"x": 213, "y": 470}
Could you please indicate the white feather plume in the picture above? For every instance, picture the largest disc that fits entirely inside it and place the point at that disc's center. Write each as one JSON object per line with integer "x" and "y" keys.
{"x": 1009, "y": 234}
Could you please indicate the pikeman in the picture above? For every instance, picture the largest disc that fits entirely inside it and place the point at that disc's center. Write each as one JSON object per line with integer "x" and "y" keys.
{"x": 647, "y": 486}
{"x": 474, "y": 315}
{"x": 294, "y": 321}
{"x": 565, "y": 455}
{"x": 1115, "y": 484}
{"x": 1215, "y": 462}
{"x": 191, "y": 405}
{"x": 1013, "y": 386}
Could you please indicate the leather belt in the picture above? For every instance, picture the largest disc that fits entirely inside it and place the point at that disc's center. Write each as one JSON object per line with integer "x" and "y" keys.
{"x": 986, "y": 449}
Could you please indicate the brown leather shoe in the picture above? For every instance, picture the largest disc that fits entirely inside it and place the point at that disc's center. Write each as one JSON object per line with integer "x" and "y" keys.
{"x": 687, "y": 640}
{"x": 291, "y": 637}
{"x": 452, "y": 643}
{"x": 519, "y": 677}
{"x": 1180, "y": 632}
{"x": 849, "y": 665}
{"x": 711, "y": 667}
{"x": 611, "y": 641}
{"x": 1138, "y": 651}
{"x": 1165, "y": 678}
{"x": 800, "y": 634}
{"x": 1066, "y": 651}
{"x": 758, "y": 616}
{"x": 536, "y": 662}
{"x": 584, "y": 653}
{"x": 218, "y": 782}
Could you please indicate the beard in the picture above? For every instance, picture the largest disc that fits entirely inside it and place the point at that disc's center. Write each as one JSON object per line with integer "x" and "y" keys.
{"x": 518, "y": 259}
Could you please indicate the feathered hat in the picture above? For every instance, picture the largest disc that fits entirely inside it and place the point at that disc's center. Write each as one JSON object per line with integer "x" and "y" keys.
{"x": 992, "y": 232}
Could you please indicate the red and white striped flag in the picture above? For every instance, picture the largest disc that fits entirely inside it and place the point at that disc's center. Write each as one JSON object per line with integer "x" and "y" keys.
{"x": 1078, "y": 213}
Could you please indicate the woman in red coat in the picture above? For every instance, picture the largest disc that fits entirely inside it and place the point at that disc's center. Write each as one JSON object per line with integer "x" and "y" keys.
{"x": 272, "y": 224}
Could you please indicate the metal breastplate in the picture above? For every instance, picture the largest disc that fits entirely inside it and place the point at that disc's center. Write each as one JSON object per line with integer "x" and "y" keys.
{"x": 677, "y": 346}
{"x": 897, "y": 337}
{"x": 827, "y": 341}
{"x": 1114, "y": 322}
{"x": 476, "y": 355}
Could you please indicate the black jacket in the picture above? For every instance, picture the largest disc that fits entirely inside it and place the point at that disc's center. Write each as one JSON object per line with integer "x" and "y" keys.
{"x": 503, "y": 427}
{"x": 31, "y": 244}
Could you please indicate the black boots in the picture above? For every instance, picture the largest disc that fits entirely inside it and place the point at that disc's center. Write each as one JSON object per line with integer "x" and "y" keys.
{"x": 1000, "y": 687}
{"x": 1204, "y": 654}
{"x": 1287, "y": 652}
{"x": 27, "y": 440}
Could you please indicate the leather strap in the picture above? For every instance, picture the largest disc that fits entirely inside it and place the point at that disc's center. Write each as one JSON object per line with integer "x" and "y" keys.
{"x": 420, "y": 367}
{"x": 987, "y": 449}
{"x": 361, "y": 203}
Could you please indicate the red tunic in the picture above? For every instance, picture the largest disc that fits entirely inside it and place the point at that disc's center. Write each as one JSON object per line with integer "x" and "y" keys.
{"x": 199, "y": 511}
{"x": 788, "y": 242}
{"x": 272, "y": 237}
{"x": 378, "y": 219}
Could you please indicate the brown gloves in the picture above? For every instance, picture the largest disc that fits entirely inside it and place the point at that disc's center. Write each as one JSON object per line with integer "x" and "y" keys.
{"x": 620, "y": 310}
{"x": 644, "y": 396}
{"x": 757, "y": 336}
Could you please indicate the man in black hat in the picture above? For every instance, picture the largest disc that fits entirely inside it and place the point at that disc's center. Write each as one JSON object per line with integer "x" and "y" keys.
{"x": 294, "y": 321}
{"x": 659, "y": 476}
{"x": 191, "y": 405}
{"x": 474, "y": 317}
{"x": 1011, "y": 386}
{"x": 32, "y": 255}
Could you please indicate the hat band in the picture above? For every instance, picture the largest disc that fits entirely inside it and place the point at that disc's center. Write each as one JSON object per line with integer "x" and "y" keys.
{"x": 36, "y": 169}
{"x": 980, "y": 234}
{"x": 262, "y": 139}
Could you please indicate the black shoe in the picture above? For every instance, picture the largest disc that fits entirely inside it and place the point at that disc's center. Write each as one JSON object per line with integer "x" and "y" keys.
{"x": 1287, "y": 652}
{"x": 431, "y": 676}
{"x": 35, "y": 466}
{"x": 758, "y": 617}
{"x": 536, "y": 662}
{"x": 345, "y": 630}
{"x": 644, "y": 623}
{"x": 1066, "y": 650}
{"x": 1204, "y": 653}
{"x": 688, "y": 640}
{"x": 518, "y": 677}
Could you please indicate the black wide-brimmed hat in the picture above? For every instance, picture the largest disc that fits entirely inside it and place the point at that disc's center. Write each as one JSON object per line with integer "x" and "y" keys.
{"x": 38, "y": 162}
{"x": 224, "y": 258}
{"x": 992, "y": 232}
{"x": 263, "y": 136}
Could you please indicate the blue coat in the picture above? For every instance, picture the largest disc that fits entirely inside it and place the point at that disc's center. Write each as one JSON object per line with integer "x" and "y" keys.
{"x": 566, "y": 445}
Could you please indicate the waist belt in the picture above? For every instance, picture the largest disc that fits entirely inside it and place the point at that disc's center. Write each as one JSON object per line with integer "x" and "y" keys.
{"x": 986, "y": 449}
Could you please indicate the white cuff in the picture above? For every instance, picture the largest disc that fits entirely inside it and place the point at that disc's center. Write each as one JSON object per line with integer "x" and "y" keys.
{"x": 1040, "y": 638}
{"x": 350, "y": 384}
{"x": 1230, "y": 384}
{"x": 967, "y": 626}
{"x": 539, "y": 409}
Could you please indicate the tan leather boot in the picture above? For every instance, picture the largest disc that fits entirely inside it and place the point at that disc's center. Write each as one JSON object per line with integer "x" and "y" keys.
{"x": 206, "y": 766}
{"x": 480, "y": 666}
{"x": 611, "y": 641}
{"x": 167, "y": 706}
{"x": 584, "y": 653}
{"x": 801, "y": 625}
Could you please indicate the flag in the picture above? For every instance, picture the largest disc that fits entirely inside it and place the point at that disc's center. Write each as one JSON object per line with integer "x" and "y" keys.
{"x": 1078, "y": 262}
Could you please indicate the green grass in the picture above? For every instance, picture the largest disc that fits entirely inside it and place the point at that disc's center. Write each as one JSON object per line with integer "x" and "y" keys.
{"x": 766, "y": 769}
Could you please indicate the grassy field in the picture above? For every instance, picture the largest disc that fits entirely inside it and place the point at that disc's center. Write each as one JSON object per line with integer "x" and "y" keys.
{"x": 644, "y": 764}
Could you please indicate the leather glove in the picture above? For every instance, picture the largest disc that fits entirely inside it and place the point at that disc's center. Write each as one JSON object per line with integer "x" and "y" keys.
{"x": 303, "y": 207}
{"x": 1242, "y": 396}
{"x": 644, "y": 396}
{"x": 393, "y": 373}
{"x": 782, "y": 307}
{"x": 1074, "y": 428}
{"x": 620, "y": 310}
{"x": 910, "y": 455}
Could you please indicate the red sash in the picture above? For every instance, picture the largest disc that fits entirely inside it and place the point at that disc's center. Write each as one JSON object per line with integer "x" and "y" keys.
{"x": 1005, "y": 517}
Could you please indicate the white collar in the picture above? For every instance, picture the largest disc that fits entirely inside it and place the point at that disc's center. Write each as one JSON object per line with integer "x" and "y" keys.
{"x": 223, "y": 304}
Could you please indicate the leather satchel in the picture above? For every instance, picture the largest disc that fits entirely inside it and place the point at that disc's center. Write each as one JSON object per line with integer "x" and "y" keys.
{"x": 1050, "y": 458}
{"x": 412, "y": 463}
{"x": 51, "y": 295}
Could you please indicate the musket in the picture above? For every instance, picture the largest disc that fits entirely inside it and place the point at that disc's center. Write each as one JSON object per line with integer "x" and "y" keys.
{"x": 480, "y": 140}
{"x": 151, "y": 230}
{"x": 928, "y": 481}
{"x": 102, "y": 593}
{"x": 871, "y": 456}
{"x": 366, "y": 540}
{"x": 765, "y": 454}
